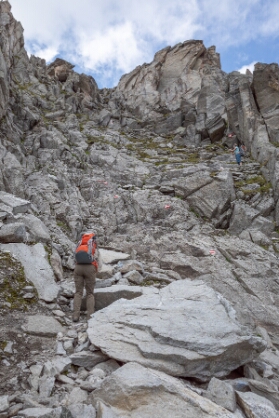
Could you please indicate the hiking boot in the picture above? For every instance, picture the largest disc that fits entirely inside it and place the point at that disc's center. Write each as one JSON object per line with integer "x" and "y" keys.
{"x": 75, "y": 318}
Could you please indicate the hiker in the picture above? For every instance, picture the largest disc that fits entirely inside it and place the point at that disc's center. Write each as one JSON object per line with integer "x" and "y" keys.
{"x": 237, "y": 154}
{"x": 88, "y": 261}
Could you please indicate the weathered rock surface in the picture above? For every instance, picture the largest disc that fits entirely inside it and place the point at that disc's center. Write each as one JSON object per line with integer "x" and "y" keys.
{"x": 42, "y": 325}
{"x": 185, "y": 330}
{"x": 146, "y": 166}
{"x": 221, "y": 393}
{"x": 256, "y": 406}
{"x": 36, "y": 267}
{"x": 136, "y": 391}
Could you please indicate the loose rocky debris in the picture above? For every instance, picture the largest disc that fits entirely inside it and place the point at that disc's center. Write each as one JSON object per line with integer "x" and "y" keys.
{"x": 187, "y": 300}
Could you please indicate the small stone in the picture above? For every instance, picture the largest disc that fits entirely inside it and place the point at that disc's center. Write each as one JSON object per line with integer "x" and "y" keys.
{"x": 36, "y": 369}
{"x": 221, "y": 393}
{"x": 58, "y": 313}
{"x": 82, "y": 347}
{"x": 72, "y": 333}
{"x": 134, "y": 277}
{"x": 60, "y": 349}
{"x": 9, "y": 348}
{"x": 77, "y": 396}
{"x": 28, "y": 296}
{"x": 4, "y": 403}
{"x": 88, "y": 359}
{"x": 108, "y": 366}
{"x": 13, "y": 411}
{"x": 46, "y": 385}
{"x": 82, "y": 338}
{"x": 98, "y": 373}
{"x": 69, "y": 345}
{"x": 65, "y": 379}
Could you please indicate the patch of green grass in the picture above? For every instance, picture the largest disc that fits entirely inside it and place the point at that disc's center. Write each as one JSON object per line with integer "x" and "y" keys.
{"x": 3, "y": 345}
{"x": 194, "y": 212}
{"x": 162, "y": 162}
{"x": 193, "y": 157}
{"x": 264, "y": 186}
{"x": 48, "y": 251}
{"x": 63, "y": 225}
{"x": 92, "y": 139}
{"x": 213, "y": 173}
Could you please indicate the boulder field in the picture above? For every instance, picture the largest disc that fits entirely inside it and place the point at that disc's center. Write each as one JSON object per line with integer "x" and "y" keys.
{"x": 187, "y": 299}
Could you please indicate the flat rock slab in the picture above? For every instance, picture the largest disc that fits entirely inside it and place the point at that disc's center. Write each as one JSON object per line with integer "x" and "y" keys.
{"x": 41, "y": 325}
{"x": 36, "y": 268}
{"x": 106, "y": 296}
{"x": 110, "y": 257}
{"x": 87, "y": 359}
{"x": 16, "y": 204}
{"x": 134, "y": 391}
{"x": 186, "y": 329}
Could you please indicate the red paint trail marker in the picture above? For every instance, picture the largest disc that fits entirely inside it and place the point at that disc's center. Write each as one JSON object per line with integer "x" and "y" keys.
{"x": 212, "y": 252}
{"x": 167, "y": 206}
{"x": 102, "y": 182}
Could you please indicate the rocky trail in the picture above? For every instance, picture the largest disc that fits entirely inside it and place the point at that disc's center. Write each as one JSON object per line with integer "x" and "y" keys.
{"x": 187, "y": 300}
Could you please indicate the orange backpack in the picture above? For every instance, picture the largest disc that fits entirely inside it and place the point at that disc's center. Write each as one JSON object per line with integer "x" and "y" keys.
{"x": 86, "y": 249}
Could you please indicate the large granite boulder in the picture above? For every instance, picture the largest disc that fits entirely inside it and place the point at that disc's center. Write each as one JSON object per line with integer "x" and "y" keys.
{"x": 187, "y": 329}
{"x": 135, "y": 391}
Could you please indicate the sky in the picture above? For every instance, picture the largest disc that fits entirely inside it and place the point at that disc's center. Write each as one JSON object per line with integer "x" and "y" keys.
{"x": 109, "y": 38}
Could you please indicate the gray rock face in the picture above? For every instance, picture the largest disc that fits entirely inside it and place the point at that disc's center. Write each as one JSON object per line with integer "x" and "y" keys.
{"x": 15, "y": 232}
{"x": 256, "y": 406}
{"x": 36, "y": 267}
{"x": 177, "y": 331}
{"x": 265, "y": 85}
{"x": 15, "y": 204}
{"x": 136, "y": 391}
{"x": 221, "y": 393}
{"x": 145, "y": 165}
{"x": 4, "y": 403}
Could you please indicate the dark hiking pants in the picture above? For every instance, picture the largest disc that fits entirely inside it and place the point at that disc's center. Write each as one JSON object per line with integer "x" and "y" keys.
{"x": 85, "y": 277}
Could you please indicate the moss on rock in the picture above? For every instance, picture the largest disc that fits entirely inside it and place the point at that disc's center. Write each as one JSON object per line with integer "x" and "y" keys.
{"x": 12, "y": 284}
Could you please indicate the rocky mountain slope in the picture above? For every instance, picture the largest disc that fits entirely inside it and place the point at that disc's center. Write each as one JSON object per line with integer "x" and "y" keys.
{"x": 188, "y": 297}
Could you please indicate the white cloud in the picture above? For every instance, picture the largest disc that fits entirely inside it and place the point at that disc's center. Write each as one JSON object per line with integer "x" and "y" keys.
{"x": 48, "y": 53}
{"x": 249, "y": 67}
{"x": 111, "y": 35}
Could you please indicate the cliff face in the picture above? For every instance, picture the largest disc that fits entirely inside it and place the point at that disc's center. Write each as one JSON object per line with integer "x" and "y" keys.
{"x": 184, "y": 231}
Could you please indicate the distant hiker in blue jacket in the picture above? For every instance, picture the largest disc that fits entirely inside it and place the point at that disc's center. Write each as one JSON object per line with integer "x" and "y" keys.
{"x": 237, "y": 153}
